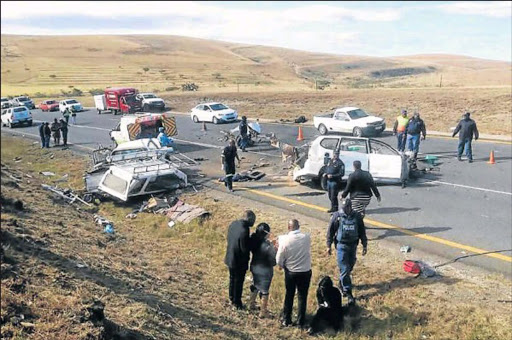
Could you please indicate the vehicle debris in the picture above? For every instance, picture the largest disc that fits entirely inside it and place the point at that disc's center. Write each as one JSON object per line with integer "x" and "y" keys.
{"x": 67, "y": 194}
{"x": 405, "y": 249}
{"x": 185, "y": 213}
{"x": 131, "y": 216}
{"x": 47, "y": 173}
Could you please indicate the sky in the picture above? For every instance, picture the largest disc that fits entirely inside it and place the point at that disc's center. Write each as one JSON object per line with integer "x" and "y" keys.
{"x": 388, "y": 28}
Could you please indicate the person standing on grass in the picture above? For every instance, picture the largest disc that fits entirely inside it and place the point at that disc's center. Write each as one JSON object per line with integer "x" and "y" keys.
{"x": 334, "y": 172}
{"x": 467, "y": 129}
{"x": 360, "y": 185}
{"x": 64, "y": 130}
{"x": 294, "y": 256}
{"x": 399, "y": 130}
{"x": 415, "y": 127}
{"x": 345, "y": 230}
{"x": 47, "y": 134}
{"x": 237, "y": 256}
{"x": 41, "y": 134}
{"x": 229, "y": 154}
{"x": 55, "y": 128}
{"x": 262, "y": 266}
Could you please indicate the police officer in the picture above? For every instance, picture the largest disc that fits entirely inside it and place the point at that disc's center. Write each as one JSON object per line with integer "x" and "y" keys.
{"x": 334, "y": 172}
{"x": 345, "y": 230}
{"x": 243, "y": 133}
{"x": 399, "y": 130}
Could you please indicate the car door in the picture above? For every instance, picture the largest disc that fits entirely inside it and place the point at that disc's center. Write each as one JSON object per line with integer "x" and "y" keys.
{"x": 343, "y": 122}
{"x": 198, "y": 111}
{"x": 207, "y": 113}
{"x": 353, "y": 149}
{"x": 385, "y": 163}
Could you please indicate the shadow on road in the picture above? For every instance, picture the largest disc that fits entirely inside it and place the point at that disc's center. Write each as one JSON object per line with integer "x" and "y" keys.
{"x": 308, "y": 194}
{"x": 390, "y": 210}
{"x": 415, "y": 231}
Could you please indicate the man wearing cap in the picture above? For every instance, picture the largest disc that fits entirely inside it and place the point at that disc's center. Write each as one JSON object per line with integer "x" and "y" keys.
{"x": 399, "y": 130}
{"x": 345, "y": 230}
{"x": 467, "y": 129}
{"x": 413, "y": 129}
{"x": 163, "y": 139}
{"x": 334, "y": 172}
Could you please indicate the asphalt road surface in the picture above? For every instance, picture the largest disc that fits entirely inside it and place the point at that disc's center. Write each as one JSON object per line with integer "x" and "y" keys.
{"x": 460, "y": 209}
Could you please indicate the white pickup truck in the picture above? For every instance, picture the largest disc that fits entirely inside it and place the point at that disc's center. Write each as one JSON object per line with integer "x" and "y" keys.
{"x": 351, "y": 120}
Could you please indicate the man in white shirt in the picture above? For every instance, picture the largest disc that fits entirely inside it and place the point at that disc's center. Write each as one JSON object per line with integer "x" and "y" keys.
{"x": 294, "y": 256}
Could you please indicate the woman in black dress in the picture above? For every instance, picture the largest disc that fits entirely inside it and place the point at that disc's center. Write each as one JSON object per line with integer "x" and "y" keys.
{"x": 262, "y": 266}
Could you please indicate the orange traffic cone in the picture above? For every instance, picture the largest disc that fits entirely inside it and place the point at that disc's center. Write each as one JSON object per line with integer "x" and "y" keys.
{"x": 491, "y": 158}
{"x": 300, "y": 137}
{"x": 203, "y": 128}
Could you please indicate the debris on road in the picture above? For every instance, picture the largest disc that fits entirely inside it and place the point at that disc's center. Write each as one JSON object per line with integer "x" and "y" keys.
{"x": 185, "y": 213}
{"x": 405, "y": 249}
{"x": 47, "y": 173}
{"x": 131, "y": 216}
{"x": 246, "y": 176}
{"x": 171, "y": 224}
{"x": 67, "y": 194}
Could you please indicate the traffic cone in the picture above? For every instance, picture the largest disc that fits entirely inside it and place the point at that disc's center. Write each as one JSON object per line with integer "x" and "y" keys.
{"x": 300, "y": 137}
{"x": 491, "y": 158}
{"x": 203, "y": 128}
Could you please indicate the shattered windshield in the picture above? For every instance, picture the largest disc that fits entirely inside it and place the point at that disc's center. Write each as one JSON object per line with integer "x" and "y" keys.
{"x": 218, "y": 107}
{"x": 356, "y": 114}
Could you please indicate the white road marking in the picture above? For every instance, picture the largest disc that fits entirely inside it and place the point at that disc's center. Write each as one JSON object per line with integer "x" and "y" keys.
{"x": 468, "y": 187}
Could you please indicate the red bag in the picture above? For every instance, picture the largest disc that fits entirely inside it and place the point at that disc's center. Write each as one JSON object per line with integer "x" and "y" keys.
{"x": 412, "y": 267}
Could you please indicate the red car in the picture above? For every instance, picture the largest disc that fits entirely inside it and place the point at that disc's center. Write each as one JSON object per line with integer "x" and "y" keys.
{"x": 49, "y": 105}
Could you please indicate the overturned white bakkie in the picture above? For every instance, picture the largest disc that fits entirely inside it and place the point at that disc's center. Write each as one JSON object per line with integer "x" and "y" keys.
{"x": 131, "y": 179}
{"x": 384, "y": 162}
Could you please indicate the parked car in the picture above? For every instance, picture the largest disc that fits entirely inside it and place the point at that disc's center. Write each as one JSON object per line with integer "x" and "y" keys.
{"x": 14, "y": 116}
{"x": 149, "y": 101}
{"x": 49, "y": 105}
{"x": 23, "y": 101}
{"x": 213, "y": 112}
{"x": 351, "y": 120}
{"x": 6, "y": 103}
{"x": 383, "y": 161}
{"x": 137, "y": 126}
{"x": 70, "y": 104}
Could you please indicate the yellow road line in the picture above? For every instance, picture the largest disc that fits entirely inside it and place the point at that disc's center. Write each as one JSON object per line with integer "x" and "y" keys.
{"x": 387, "y": 226}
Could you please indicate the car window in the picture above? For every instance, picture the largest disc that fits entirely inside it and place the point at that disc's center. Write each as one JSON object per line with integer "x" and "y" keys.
{"x": 136, "y": 186}
{"x": 329, "y": 143}
{"x": 199, "y": 107}
{"x": 218, "y": 107}
{"x": 168, "y": 181}
{"x": 115, "y": 183}
{"x": 341, "y": 116}
{"x": 206, "y": 108}
{"x": 72, "y": 101}
{"x": 356, "y": 114}
{"x": 127, "y": 152}
{"x": 23, "y": 99}
{"x": 20, "y": 109}
{"x": 50, "y": 102}
{"x": 353, "y": 145}
{"x": 381, "y": 148}
{"x": 149, "y": 96}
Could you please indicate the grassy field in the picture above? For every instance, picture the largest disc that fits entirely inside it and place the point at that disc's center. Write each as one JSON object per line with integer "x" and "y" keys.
{"x": 162, "y": 283}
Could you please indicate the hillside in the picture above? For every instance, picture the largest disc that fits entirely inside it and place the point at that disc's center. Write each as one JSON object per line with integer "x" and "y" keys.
{"x": 39, "y": 65}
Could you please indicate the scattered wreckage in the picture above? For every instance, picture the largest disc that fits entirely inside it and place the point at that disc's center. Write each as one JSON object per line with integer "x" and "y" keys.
{"x": 254, "y": 134}
{"x": 384, "y": 162}
{"x": 134, "y": 169}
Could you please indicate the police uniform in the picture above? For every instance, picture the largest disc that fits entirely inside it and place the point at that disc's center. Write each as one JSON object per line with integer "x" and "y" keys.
{"x": 336, "y": 169}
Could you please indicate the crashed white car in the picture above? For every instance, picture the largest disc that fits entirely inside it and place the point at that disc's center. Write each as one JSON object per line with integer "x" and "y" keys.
{"x": 383, "y": 161}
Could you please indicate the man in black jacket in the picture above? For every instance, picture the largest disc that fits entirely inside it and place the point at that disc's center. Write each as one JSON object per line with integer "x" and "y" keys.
{"x": 467, "y": 128}
{"x": 64, "y": 129}
{"x": 360, "y": 185}
{"x": 334, "y": 172}
{"x": 345, "y": 230}
{"x": 41, "y": 134}
{"x": 414, "y": 128}
{"x": 237, "y": 256}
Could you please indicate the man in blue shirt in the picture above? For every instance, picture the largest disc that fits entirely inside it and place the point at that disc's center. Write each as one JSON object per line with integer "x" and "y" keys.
{"x": 163, "y": 139}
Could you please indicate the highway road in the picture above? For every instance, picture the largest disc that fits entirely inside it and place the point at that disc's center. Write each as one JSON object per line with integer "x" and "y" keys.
{"x": 460, "y": 209}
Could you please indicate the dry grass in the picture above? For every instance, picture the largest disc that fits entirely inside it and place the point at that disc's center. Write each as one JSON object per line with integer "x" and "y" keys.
{"x": 171, "y": 283}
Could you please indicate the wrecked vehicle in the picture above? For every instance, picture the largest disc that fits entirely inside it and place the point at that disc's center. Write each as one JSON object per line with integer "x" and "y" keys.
{"x": 383, "y": 161}
{"x": 124, "y": 180}
{"x": 254, "y": 134}
{"x": 137, "y": 126}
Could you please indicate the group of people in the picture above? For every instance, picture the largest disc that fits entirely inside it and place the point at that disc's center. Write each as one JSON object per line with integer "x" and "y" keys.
{"x": 292, "y": 253}
{"x": 410, "y": 131}
{"x": 55, "y": 130}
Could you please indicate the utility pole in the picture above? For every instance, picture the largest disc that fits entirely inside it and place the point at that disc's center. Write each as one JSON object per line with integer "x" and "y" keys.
{"x": 441, "y": 81}
{"x": 316, "y": 84}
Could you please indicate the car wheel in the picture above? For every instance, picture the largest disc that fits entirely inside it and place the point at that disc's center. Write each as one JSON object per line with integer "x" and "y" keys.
{"x": 99, "y": 111}
{"x": 215, "y": 120}
{"x": 145, "y": 108}
{"x": 322, "y": 129}
{"x": 9, "y": 124}
{"x": 195, "y": 119}
{"x": 30, "y": 123}
{"x": 357, "y": 132}
{"x": 114, "y": 112}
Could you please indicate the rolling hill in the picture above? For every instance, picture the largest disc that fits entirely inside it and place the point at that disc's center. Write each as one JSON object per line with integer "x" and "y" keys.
{"x": 48, "y": 65}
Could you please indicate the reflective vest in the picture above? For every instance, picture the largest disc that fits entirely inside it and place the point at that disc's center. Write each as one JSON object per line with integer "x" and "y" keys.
{"x": 402, "y": 122}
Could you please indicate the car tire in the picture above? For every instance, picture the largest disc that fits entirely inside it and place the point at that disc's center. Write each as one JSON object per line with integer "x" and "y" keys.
{"x": 145, "y": 108}
{"x": 9, "y": 124}
{"x": 114, "y": 112}
{"x": 30, "y": 123}
{"x": 322, "y": 129}
{"x": 195, "y": 119}
{"x": 215, "y": 120}
{"x": 99, "y": 111}
{"x": 358, "y": 132}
